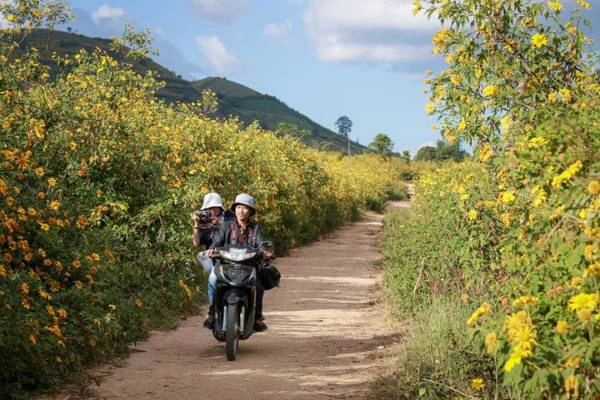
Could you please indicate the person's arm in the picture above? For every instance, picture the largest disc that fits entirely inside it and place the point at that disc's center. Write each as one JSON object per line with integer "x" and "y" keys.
{"x": 201, "y": 233}
{"x": 258, "y": 239}
{"x": 218, "y": 236}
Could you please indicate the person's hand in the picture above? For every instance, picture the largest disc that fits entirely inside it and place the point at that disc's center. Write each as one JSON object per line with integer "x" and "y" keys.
{"x": 267, "y": 254}
{"x": 196, "y": 217}
{"x": 209, "y": 252}
{"x": 214, "y": 219}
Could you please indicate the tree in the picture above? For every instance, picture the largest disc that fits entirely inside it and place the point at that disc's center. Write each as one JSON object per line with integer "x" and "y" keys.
{"x": 344, "y": 125}
{"x": 289, "y": 129}
{"x": 449, "y": 151}
{"x": 382, "y": 145}
{"x": 405, "y": 155}
{"x": 442, "y": 152}
{"x": 426, "y": 153}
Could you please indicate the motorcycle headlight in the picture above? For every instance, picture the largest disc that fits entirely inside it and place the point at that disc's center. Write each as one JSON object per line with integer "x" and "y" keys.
{"x": 237, "y": 273}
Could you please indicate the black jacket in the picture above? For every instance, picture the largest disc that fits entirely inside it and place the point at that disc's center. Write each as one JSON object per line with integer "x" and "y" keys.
{"x": 229, "y": 233}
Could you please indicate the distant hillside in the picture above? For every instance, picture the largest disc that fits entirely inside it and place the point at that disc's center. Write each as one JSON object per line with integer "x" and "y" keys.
{"x": 235, "y": 99}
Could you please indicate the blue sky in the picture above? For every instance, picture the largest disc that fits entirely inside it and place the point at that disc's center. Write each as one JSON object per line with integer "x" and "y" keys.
{"x": 325, "y": 58}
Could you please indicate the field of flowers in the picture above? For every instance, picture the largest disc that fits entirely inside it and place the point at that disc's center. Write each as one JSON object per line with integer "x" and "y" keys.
{"x": 515, "y": 234}
{"x": 97, "y": 185}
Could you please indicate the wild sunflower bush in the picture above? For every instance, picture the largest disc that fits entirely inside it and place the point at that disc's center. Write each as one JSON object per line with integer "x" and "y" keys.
{"x": 97, "y": 184}
{"x": 522, "y": 226}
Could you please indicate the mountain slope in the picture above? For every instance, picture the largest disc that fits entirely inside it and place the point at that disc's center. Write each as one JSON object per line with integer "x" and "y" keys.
{"x": 234, "y": 99}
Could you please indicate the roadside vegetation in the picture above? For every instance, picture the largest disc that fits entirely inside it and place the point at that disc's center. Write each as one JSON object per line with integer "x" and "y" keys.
{"x": 497, "y": 268}
{"x": 97, "y": 185}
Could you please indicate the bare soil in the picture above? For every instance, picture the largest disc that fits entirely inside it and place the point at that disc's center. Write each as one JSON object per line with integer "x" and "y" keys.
{"x": 327, "y": 337}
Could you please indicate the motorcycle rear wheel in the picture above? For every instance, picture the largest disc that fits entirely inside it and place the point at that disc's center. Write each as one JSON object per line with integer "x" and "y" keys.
{"x": 233, "y": 324}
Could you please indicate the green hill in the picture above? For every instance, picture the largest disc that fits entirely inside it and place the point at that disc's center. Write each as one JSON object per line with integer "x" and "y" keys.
{"x": 234, "y": 98}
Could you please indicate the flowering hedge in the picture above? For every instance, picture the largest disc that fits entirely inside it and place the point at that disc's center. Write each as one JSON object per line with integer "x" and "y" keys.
{"x": 521, "y": 87}
{"x": 97, "y": 184}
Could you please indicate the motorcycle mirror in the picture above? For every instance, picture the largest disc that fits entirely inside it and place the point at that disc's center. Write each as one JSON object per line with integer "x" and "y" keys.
{"x": 266, "y": 245}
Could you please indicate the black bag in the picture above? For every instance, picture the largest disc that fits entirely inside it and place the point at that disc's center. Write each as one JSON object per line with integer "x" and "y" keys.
{"x": 269, "y": 276}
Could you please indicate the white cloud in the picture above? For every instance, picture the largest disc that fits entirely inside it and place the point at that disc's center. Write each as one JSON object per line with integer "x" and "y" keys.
{"x": 277, "y": 31}
{"x": 219, "y": 10}
{"x": 372, "y": 32}
{"x": 107, "y": 12}
{"x": 217, "y": 56}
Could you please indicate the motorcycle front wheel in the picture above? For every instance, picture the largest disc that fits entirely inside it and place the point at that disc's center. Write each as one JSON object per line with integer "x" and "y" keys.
{"x": 232, "y": 324}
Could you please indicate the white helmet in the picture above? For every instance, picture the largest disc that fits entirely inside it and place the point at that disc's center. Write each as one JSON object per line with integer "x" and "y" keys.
{"x": 244, "y": 199}
{"x": 212, "y": 199}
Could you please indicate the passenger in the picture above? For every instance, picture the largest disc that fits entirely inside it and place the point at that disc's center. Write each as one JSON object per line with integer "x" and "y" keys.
{"x": 242, "y": 231}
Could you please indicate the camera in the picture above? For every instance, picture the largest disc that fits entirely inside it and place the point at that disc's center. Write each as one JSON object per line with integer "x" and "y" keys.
{"x": 202, "y": 216}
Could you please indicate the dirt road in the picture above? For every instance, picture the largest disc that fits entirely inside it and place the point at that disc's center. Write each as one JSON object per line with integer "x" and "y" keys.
{"x": 326, "y": 337}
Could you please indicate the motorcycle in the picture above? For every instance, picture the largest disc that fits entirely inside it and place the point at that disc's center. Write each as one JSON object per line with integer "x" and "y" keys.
{"x": 235, "y": 297}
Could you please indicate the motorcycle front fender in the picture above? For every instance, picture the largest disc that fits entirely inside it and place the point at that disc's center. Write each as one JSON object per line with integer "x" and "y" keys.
{"x": 235, "y": 297}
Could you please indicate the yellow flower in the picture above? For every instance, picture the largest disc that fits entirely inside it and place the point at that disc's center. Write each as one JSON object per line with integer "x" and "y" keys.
{"x": 3, "y": 187}
{"x": 72, "y": 145}
{"x": 573, "y": 362}
{"x": 112, "y": 307}
{"x": 538, "y": 40}
{"x": 55, "y": 204}
{"x": 592, "y": 270}
{"x": 572, "y": 386}
{"x": 552, "y": 97}
{"x": 565, "y": 95}
{"x": 562, "y": 326}
{"x": 486, "y": 152}
{"x": 33, "y": 340}
{"x": 483, "y": 309}
{"x": 25, "y": 288}
{"x": 472, "y": 215}
{"x": 44, "y": 295}
{"x": 62, "y": 313}
{"x": 524, "y": 300}
{"x": 138, "y": 302}
{"x": 39, "y": 171}
{"x": 507, "y": 197}
{"x": 44, "y": 226}
{"x": 489, "y": 90}
{"x": 567, "y": 174}
{"x": 81, "y": 222}
{"x": 51, "y": 182}
{"x": 491, "y": 339}
{"x": 416, "y": 7}
{"x": 461, "y": 125}
{"x": 584, "y": 4}
{"x": 477, "y": 384}
{"x": 555, "y": 5}
{"x": 430, "y": 108}
{"x": 522, "y": 335}
{"x": 584, "y": 305}
{"x": 589, "y": 252}
{"x": 593, "y": 188}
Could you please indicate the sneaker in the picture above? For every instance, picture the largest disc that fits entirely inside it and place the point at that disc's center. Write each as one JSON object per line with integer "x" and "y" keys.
{"x": 209, "y": 322}
{"x": 260, "y": 326}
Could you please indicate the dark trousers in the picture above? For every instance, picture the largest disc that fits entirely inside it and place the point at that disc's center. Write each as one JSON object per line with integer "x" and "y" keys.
{"x": 260, "y": 293}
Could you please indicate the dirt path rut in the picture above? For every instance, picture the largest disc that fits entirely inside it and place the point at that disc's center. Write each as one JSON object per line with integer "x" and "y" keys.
{"x": 326, "y": 336}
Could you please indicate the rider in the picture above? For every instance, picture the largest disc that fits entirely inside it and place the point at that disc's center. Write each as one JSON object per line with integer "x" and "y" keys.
{"x": 242, "y": 231}
{"x": 203, "y": 235}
